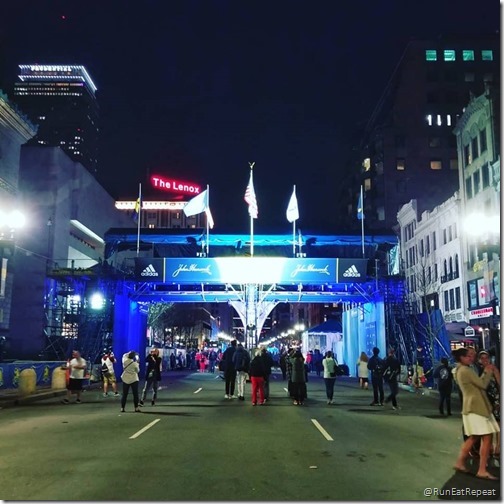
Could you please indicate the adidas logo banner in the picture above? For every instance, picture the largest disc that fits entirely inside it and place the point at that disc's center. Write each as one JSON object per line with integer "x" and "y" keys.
{"x": 351, "y": 270}
{"x": 150, "y": 269}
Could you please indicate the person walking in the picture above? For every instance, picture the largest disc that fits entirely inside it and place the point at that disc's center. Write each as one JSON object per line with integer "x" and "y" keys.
{"x": 108, "y": 374}
{"x": 376, "y": 366}
{"x": 229, "y": 370}
{"x": 493, "y": 394}
{"x": 212, "y": 357}
{"x": 152, "y": 375}
{"x": 241, "y": 362}
{"x": 391, "y": 371}
{"x": 77, "y": 368}
{"x": 257, "y": 371}
{"x": 298, "y": 377}
{"x": 444, "y": 376}
{"x": 283, "y": 364}
{"x": 329, "y": 364}
{"x": 268, "y": 364}
{"x": 477, "y": 416}
{"x": 130, "y": 379}
{"x": 363, "y": 371}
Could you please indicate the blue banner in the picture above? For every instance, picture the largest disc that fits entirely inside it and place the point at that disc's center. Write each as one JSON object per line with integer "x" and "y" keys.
{"x": 247, "y": 270}
{"x": 9, "y": 373}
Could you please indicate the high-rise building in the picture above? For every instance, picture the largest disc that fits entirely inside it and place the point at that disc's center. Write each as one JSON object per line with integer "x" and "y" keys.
{"x": 61, "y": 100}
{"x": 409, "y": 150}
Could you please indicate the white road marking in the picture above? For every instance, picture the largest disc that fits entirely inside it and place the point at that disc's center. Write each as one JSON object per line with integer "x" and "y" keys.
{"x": 147, "y": 427}
{"x": 322, "y": 430}
{"x": 196, "y": 391}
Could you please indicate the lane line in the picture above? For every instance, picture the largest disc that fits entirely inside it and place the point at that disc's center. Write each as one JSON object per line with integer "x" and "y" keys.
{"x": 196, "y": 391}
{"x": 147, "y": 427}
{"x": 322, "y": 430}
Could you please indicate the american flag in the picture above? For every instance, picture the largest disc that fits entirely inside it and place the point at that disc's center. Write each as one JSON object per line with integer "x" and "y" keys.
{"x": 250, "y": 198}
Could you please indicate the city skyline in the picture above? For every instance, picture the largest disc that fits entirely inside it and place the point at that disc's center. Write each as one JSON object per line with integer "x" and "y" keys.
{"x": 197, "y": 90}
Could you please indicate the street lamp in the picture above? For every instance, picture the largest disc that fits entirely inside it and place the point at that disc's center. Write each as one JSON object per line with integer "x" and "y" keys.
{"x": 10, "y": 221}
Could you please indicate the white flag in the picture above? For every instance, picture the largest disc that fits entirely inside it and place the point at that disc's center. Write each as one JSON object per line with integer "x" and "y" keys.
{"x": 199, "y": 204}
{"x": 293, "y": 210}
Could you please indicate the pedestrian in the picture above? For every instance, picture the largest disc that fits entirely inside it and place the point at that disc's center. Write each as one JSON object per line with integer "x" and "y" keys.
{"x": 329, "y": 364}
{"x": 202, "y": 362}
{"x": 288, "y": 371}
{"x": 317, "y": 362}
{"x": 376, "y": 366}
{"x": 153, "y": 370}
{"x": 443, "y": 374}
{"x": 229, "y": 370}
{"x": 477, "y": 416}
{"x": 391, "y": 371}
{"x": 268, "y": 364}
{"x": 363, "y": 371}
{"x": 298, "y": 377}
{"x": 173, "y": 361}
{"x": 77, "y": 367}
{"x": 241, "y": 362}
{"x": 108, "y": 374}
{"x": 212, "y": 357}
{"x": 130, "y": 379}
{"x": 493, "y": 394}
{"x": 257, "y": 371}
{"x": 283, "y": 364}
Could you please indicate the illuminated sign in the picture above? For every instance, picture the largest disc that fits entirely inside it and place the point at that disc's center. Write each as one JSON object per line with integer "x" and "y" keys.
{"x": 176, "y": 186}
{"x": 251, "y": 270}
{"x": 481, "y": 313}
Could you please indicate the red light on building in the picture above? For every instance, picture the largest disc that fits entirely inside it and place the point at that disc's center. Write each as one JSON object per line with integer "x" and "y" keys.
{"x": 176, "y": 186}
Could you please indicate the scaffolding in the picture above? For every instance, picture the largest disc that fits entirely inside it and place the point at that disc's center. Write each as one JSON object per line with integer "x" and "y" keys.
{"x": 70, "y": 319}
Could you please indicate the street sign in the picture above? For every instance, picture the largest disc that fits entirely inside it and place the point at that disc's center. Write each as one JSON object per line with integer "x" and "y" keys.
{"x": 469, "y": 332}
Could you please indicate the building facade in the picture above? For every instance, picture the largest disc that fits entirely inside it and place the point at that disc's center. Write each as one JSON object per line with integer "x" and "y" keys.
{"x": 408, "y": 150}
{"x": 15, "y": 130}
{"x": 478, "y": 139}
{"x": 431, "y": 258}
{"x": 61, "y": 100}
{"x": 68, "y": 213}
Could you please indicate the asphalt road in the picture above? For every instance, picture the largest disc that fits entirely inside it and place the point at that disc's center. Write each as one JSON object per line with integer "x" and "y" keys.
{"x": 196, "y": 445}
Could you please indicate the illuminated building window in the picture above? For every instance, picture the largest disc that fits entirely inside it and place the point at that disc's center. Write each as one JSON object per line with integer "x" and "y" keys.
{"x": 439, "y": 120}
{"x": 430, "y": 55}
{"x": 429, "y": 119}
{"x": 487, "y": 55}
{"x": 448, "y": 120}
{"x": 468, "y": 55}
{"x": 366, "y": 164}
{"x": 449, "y": 55}
{"x": 380, "y": 213}
{"x": 400, "y": 164}
{"x": 436, "y": 164}
{"x": 367, "y": 184}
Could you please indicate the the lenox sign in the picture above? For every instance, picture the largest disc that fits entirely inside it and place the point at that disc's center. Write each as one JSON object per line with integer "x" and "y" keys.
{"x": 246, "y": 270}
{"x": 176, "y": 186}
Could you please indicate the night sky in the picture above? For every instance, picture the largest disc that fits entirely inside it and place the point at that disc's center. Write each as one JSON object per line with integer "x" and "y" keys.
{"x": 196, "y": 89}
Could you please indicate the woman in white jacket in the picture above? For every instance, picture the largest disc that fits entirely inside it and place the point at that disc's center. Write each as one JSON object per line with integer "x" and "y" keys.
{"x": 130, "y": 379}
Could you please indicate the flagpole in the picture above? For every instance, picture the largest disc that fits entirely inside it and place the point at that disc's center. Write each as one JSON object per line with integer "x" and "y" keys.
{"x": 251, "y": 218}
{"x": 362, "y": 220}
{"x": 207, "y": 223}
{"x": 294, "y": 233}
{"x": 139, "y": 216}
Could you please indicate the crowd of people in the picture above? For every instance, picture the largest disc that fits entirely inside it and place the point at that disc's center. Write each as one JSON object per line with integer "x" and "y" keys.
{"x": 476, "y": 378}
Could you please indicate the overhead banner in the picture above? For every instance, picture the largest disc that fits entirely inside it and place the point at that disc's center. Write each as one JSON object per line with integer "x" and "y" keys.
{"x": 246, "y": 270}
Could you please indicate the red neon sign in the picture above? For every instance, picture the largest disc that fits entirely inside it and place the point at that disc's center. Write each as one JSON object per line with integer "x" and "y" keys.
{"x": 172, "y": 185}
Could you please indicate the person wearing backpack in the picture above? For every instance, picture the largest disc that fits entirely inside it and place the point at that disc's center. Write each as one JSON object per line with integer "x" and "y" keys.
{"x": 444, "y": 376}
{"x": 377, "y": 366}
{"x": 241, "y": 361}
{"x": 329, "y": 364}
{"x": 390, "y": 374}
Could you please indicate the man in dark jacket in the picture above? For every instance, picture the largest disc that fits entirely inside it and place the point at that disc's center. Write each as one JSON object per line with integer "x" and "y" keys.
{"x": 390, "y": 375}
{"x": 376, "y": 366}
{"x": 241, "y": 361}
{"x": 268, "y": 364}
{"x": 444, "y": 375}
{"x": 229, "y": 370}
{"x": 152, "y": 375}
